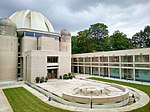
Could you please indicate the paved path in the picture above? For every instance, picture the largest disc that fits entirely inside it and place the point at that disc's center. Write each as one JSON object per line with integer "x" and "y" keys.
{"x": 4, "y": 104}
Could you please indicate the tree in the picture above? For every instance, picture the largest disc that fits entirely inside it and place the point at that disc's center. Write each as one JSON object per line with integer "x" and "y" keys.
{"x": 98, "y": 33}
{"x": 80, "y": 43}
{"x": 98, "y": 30}
{"x": 142, "y": 38}
{"x": 119, "y": 41}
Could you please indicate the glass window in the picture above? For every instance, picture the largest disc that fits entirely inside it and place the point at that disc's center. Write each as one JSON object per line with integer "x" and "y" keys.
{"x": 87, "y": 59}
{"x": 31, "y": 34}
{"x": 103, "y": 59}
{"x": 95, "y": 71}
{"x": 127, "y": 65}
{"x": 81, "y": 69}
{"x": 47, "y": 35}
{"x": 38, "y": 34}
{"x": 55, "y": 37}
{"x": 113, "y": 64}
{"x": 87, "y": 70}
{"x": 94, "y": 59}
{"x": 52, "y": 59}
{"x": 114, "y": 59}
{"x": 114, "y": 72}
{"x": 142, "y": 58}
{"x": 127, "y": 74}
{"x": 142, "y": 75}
{"x": 126, "y": 58}
{"x": 80, "y": 59}
{"x": 142, "y": 65}
{"x": 75, "y": 60}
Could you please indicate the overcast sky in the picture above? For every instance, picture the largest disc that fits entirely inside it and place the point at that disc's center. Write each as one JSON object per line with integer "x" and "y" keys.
{"x": 128, "y": 16}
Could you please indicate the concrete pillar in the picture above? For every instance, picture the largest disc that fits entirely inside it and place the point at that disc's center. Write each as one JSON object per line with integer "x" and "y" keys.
{"x": 120, "y": 66}
{"x": 133, "y": 67}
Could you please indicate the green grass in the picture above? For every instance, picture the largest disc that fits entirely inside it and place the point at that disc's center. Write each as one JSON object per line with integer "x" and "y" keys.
{"x": 22, "y": 100}
{"x": 143, "y": 88}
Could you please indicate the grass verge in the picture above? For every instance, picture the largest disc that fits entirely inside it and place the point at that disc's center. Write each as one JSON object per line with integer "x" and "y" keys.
{"x": 143, "y": 88}
{"x": 21, "y": 100}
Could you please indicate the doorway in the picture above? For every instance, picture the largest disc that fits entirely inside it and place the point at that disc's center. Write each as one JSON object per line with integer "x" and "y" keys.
{"x": 52, "y": 73}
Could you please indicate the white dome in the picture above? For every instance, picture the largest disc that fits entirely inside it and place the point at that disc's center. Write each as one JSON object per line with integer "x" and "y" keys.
{"x": 32, "y": 20}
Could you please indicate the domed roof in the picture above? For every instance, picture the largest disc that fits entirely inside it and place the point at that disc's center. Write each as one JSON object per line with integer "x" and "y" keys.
{"x": 65, "y": 32}
{"x": 7, "y": 22}
{"x": 31, "y": 20}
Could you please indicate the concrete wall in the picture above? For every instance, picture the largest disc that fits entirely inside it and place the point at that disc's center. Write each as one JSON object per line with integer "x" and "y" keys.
{"x": 48, "y": 43}
{"x": 28, "y": 44}
{"x": 8, "y": 57}
{"x": 64, "y": 63}
{"x": 37, "y": 63}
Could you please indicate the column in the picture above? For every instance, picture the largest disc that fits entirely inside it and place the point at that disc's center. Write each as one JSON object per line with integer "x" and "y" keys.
{"x": 133, "y": 67}
{"x": 120, "y": 66}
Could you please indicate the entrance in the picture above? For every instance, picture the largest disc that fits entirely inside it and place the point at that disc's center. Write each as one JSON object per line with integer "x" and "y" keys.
{"x": 52, "y": 73}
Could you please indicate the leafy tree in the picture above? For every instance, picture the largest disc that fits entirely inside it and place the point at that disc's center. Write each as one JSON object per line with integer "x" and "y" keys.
{"x": 142, "y": 38}
{"x": 98, "y": 30}
{"x": 80, "y": 43}
{"x": 90, "y": 40}
{"x": 119, "y": 41}
{"x": 98, "y": 34}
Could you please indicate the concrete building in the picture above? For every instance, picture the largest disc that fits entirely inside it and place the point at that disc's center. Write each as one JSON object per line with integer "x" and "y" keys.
{"x": 30, "y": 48}
{"x": 131, "y": 64}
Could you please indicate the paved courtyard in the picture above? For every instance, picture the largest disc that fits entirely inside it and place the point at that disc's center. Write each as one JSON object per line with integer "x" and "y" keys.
{"x": 59, "y": 86}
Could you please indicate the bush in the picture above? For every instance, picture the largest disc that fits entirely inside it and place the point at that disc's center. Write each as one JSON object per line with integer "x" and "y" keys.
{"x": 65, "y": 76}
{"x": 46, "y": 79}
{"x": 70, "y": 75}
{"x": 37, "y": 79}
{"x": 41, "y": 79}
{"x": 60, "y": 77}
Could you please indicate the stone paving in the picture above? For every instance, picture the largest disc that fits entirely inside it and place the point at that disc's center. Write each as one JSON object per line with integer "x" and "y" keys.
{"x": 62, "y": 86}
{"x": 4, "y": 104}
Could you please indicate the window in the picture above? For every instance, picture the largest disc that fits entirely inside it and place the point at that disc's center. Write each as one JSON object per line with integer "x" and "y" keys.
{"x": 38, "y": 34}
{"x": 114, "y": 59}
{"x": 80, "y": 59}
{"x": 142, "y": 58}
{"x": 52, "y": 59}
{"x": 126, "y": 58}
{"x": 31, "y": 34}
{"x": 103, "y": 59}
{"x": 87, "y": 59}
{"x": 95, "y": 59}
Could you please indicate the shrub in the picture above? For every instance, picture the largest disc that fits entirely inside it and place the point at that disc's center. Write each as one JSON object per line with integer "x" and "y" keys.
{"x": 70, "y": 75}
{"x": 41, "y": 79}
{"x": 37, "y": 79}
{"x": 65, "y": 76}
{"x": 60, "y": 76}
{"x": 46, "y": 79}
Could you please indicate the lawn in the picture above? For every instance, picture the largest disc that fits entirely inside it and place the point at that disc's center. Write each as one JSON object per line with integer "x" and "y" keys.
{"x": 143, "y": 88}
{"x": 22, "y": 100}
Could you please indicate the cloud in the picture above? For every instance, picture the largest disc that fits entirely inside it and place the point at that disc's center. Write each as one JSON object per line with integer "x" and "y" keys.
{"x": 128, "y": 16}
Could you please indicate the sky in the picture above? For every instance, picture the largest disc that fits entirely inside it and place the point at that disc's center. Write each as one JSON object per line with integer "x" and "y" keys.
{"x": 127, "y": 16}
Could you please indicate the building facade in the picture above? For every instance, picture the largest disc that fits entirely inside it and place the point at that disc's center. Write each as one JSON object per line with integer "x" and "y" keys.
{"x": 131, "y": 64}
{"x": 30, "y": 48}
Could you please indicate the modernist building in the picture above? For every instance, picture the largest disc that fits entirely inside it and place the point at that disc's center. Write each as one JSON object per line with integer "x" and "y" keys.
{"x": 29, "y": 47}
{"x": 131, "y": 64}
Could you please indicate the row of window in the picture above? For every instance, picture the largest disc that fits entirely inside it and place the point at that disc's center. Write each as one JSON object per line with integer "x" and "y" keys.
{"x": 123, "y": 73}
{"x": 138, "y": 58}
{"x": 34, "y": 34}
{"x": 115, "y": 65}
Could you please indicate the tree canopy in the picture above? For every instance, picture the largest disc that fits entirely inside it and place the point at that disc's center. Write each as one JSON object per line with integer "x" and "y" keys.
{"x": 142, "y": 38}
{"x": 96, "y": 38}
